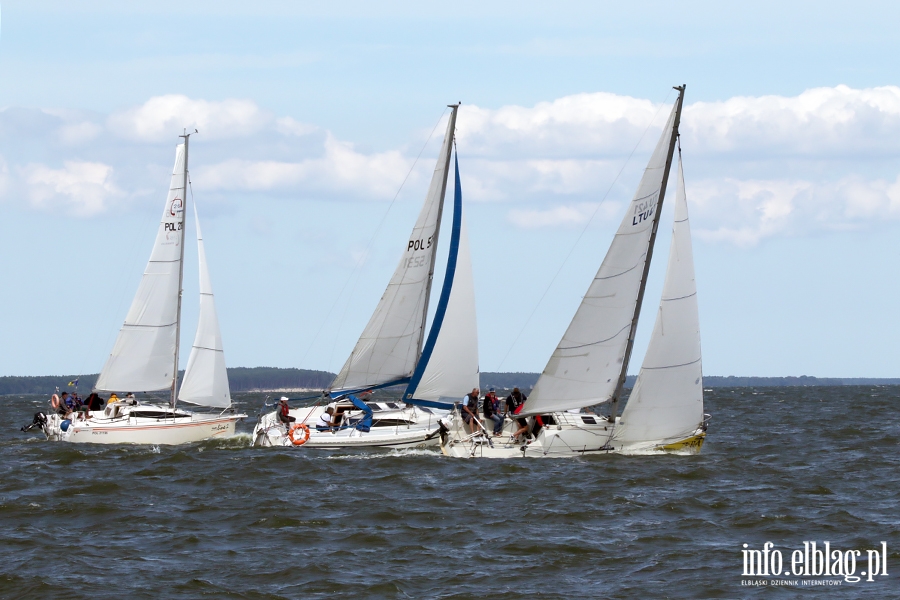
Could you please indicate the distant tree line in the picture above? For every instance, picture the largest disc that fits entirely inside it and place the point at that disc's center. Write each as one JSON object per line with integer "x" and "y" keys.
{"x": 241, "y": 379}
{"x": 526, "y": 381}
{"x": 251, "y": 379}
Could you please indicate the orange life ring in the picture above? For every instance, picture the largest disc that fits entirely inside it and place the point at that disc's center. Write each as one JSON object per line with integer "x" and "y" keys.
{"x": 303, "y": 439}
{"x": 54, "y": 402}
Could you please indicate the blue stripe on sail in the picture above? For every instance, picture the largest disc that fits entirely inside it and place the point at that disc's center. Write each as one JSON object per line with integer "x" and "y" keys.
{"x": 430, "y": 403}
{"x": 337, "y": 393}
{"x": 444, "y": 299}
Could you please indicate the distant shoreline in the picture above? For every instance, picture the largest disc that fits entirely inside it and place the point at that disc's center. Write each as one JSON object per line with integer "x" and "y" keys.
{"x": 277, "y": 380}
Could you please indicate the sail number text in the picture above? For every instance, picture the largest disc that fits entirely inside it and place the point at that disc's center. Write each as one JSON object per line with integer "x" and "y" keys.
{"x": 418, "y": 261}
{"x": 643, "y": 211}
{"x": 419, "y": 244}
{"x": 172, "y": 226}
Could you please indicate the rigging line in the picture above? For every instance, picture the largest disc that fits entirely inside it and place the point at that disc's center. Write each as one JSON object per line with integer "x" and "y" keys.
{"x": 580, "y": 235}
{"x": 357, "y": 268}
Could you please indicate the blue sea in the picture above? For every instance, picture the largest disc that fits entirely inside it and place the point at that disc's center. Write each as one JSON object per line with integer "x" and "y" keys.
{"x": 787, "y": 466}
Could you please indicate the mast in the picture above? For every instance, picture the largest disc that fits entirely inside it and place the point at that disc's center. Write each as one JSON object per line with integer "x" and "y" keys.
{"x": 437, "y": 228}
{"x": 614, "y": 401}
{"x": 186, "y": 137}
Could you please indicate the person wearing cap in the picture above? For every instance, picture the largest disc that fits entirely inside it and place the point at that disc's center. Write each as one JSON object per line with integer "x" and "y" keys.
{"x": 284, "y": 414}
{"x": 491, "y": 409}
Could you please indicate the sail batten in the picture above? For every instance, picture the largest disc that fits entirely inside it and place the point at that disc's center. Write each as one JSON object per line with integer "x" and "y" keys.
{"x": 143, "y": 356}
{"x": 391, "y": 342}
{"x": 589, "y": 363}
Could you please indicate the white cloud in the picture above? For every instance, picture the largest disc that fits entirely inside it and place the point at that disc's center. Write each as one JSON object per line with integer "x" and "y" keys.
{"x": 746, "y": 212}
{"x": 595, "y": 124}
{"x": 4, "y": 177}
{"x": 565, "y": 215}
{"x": 341, "y": 169}
{"x": 757, "y": 167}
{"x": 288, "y": 126}
{"x": 837, "y": 121}
{"x": 80, "y": 188}
{"x": 761, "y": 166}
{"x": 162, "y": 118}
{"x": 79, "y": 133}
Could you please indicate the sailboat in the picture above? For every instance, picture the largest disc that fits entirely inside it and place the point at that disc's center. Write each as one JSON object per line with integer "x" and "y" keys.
{"x": 664, "y": 412}
{"x": 145, "y": 355}
{"x": 393, "y": 350}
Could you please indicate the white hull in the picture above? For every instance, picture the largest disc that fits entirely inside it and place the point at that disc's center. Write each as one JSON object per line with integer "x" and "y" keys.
{"x": 570, "y": 435}
{"x": 406, "y": 427}
{"x": 129, "y": 427}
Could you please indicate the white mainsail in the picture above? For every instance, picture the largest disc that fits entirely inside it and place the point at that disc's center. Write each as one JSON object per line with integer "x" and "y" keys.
{"x": 205, "y": 379}
{"x": 143, "y": 357}
{"x": 667, "y": 400}
{"x": 452, "y": 368}
{"x": 585, "y": 367}
{"x": 389, "y": 346}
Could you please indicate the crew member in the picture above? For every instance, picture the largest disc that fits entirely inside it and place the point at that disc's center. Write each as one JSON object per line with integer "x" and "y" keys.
{"x": 284, "y": 415}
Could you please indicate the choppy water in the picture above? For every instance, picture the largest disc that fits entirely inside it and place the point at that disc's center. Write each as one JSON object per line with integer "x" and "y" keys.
{"x": 223, "y": 520}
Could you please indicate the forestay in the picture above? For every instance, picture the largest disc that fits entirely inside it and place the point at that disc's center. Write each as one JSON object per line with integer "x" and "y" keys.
{"x": 205, "y": 379}
{"x": 667, "y": 401}
{"x": 448, "y": 368}
{"x": 389, "y": 347}
{"x": 142, "y": 358}
{"x": 585, "y": 367}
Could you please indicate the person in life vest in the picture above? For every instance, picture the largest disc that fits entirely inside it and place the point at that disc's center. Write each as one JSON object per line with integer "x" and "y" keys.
{"x": 514, "y": 403}
{"x": 469, "y": 410}
{"x": 284, "y": 415}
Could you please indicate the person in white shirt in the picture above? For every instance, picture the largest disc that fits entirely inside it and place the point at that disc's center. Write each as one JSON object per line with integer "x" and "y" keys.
{"x": 325, "y": 422}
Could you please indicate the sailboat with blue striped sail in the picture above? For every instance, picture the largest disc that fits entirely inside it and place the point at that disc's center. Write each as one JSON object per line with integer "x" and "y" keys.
{"x": 393, "y": 351}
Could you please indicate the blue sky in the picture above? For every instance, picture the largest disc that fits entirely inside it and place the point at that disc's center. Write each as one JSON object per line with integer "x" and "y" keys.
{"x": 310, "y": 117}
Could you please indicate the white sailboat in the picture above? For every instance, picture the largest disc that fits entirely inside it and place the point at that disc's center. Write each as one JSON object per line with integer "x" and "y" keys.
{"x": 145, "y": 355}
{"x": 393, "y": 351}
{"x": 665, "y": 410}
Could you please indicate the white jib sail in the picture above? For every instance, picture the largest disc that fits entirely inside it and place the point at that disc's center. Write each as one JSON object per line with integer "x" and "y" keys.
{"x": 667, "y": 401}
{"x": 205, "y": 379}
{"x": 389, "y": 346}
{"x": 585, "y": 366}
{"x": 143, "y": 357}
{"x": 452, "y": 369}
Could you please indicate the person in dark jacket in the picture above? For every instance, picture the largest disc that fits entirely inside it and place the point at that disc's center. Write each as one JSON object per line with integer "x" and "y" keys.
{"x": 514, "y": 403}
{"x": 491, "y": 408}
{"x": 95, "y": 402}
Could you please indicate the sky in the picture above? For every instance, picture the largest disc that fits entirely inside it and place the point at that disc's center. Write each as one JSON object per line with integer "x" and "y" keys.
{"x": 319, "y": 126}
